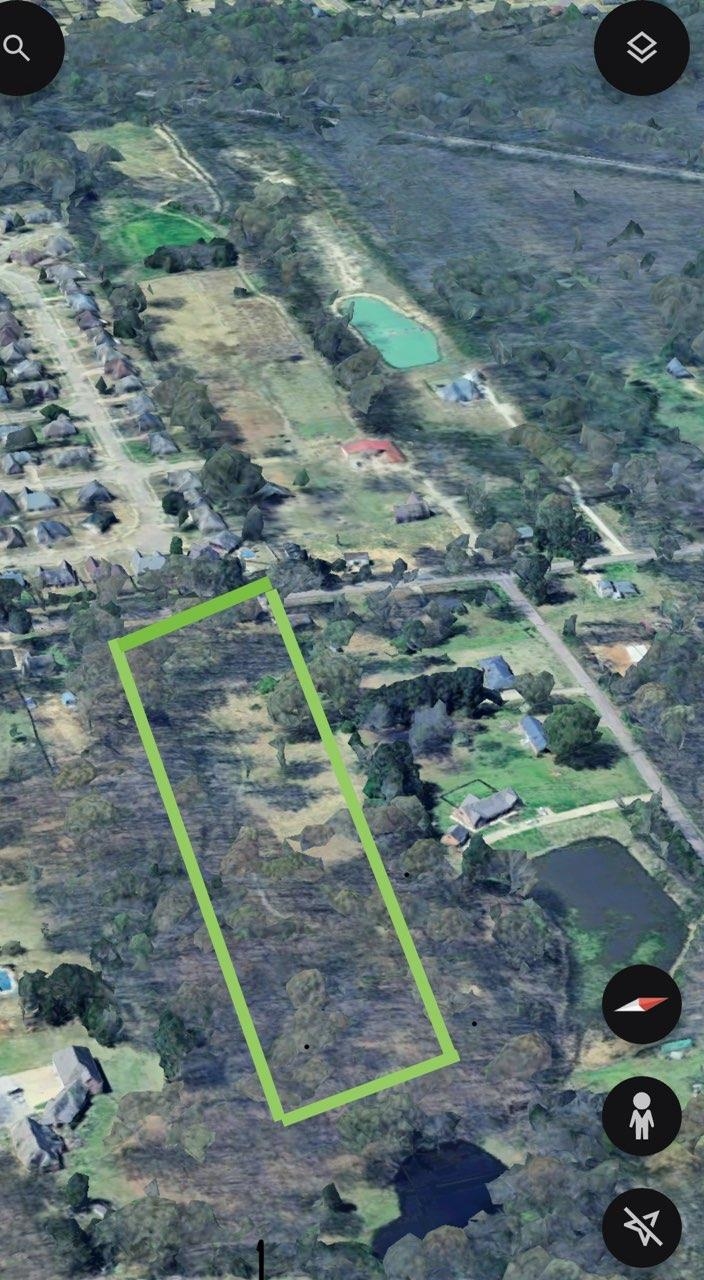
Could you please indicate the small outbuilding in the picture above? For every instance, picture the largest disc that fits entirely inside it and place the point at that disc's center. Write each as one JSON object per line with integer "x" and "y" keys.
{"x": 498, "y": 676}
{"x": 414, "y": 508}
{"x": 36, "y": 1145}
{"x": 534, "y": 735}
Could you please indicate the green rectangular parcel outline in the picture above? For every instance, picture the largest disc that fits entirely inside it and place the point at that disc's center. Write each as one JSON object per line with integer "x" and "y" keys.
{"x": 119, "y": 649}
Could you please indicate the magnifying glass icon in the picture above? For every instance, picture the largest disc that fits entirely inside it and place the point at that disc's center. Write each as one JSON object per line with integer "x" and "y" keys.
{"x": 13, "y": 45}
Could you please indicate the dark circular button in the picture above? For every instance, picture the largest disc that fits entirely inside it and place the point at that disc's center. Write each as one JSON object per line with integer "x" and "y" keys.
{"x": 641, "y": 1228}
{"x": 642, "y": 1116}
{"x": 641, "y": 47}
{"x": 641, "y": 1004}
{"x": 31, "y": 48}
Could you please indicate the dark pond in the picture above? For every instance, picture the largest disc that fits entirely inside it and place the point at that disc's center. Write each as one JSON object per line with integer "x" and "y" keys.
{"x": 606, "y": 893}
{"x": 445, "y": 1187}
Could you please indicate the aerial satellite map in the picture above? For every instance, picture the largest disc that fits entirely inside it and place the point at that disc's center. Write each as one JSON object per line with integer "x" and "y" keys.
{"x": 351, "y": 640}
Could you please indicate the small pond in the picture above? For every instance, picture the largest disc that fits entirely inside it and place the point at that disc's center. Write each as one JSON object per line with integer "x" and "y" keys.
{"x": 440, "y": 1188}
{"x": 613, "y": 911}
{"x": 402, "y": 341}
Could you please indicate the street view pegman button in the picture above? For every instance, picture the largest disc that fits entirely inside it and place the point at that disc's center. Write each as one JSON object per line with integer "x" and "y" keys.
{"x": 31, "y": 48}
{"x": 641, "y": 47}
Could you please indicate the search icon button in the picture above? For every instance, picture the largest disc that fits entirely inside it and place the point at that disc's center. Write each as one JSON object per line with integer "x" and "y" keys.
{"x": 13, "y": 44}
{"x": 31, "y": 48}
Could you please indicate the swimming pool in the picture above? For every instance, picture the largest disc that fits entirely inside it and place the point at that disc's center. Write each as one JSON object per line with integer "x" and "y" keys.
{"x": 7, "y": 982}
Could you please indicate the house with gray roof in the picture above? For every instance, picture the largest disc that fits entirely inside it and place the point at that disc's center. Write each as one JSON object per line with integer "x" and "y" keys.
{"x": 534, "y": 735}
{"x": 60, "y": 575}
{"x": 8, "y": 506}
{"x": 68, "y": 1106}
{"x": 474, "y": 813}
{"x": 47, "y": 532}
{"x": 462, "y": 391}
{"x": 62, "y": 428}
{"x": 36, "y": 1145}
{"x": 37, "y": 500}
{"x": 152, "y": 562}
{"x": 76, "y": 1062}
{"x": 498, "y": 675}
{"x": 161, "y": 444}
{"x": 92, "y": 493}
{"x": 11, "y": 537}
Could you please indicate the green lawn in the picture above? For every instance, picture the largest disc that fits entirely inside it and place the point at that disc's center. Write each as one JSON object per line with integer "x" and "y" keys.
{"x": 139, "y": 236}
{"x": 681, "y": 403}
{"x": 137, "y": 451}
{"x": 679, "y": 1075}
{"x": 498, "y": 757}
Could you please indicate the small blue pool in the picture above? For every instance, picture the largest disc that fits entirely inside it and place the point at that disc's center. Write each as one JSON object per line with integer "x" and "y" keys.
{"x": 6, "y": 982}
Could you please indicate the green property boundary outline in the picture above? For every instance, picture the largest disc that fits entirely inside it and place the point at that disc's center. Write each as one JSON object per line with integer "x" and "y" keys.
{"x": 119, "y": 649}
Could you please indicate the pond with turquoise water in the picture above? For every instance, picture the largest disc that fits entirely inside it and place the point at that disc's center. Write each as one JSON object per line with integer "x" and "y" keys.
{"x": 402, "y": 341}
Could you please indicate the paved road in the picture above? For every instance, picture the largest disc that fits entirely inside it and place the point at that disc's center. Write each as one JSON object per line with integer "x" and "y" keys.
{"x": 129, "y": 478}
{"x": 610, "y": 716}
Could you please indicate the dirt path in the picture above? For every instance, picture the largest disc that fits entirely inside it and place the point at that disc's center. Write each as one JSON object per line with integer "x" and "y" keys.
{"x": 190, "y": 163}
{"x": 508, "y": 829}
{"x": 583, "y": 158}
{"x": 612, "y": 541}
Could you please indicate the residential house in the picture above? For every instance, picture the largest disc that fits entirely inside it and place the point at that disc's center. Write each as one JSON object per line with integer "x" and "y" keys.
{"x": 62, "y": 428}
{"x": 498, "y": 676}
{"x": 68, "y": 1105}
{"x": 76, "y": 1062}
{"x": 102, "y": 519}
{"x": 36, "y": 1145}
{"x": 61, "y": 575}
{"x": 534, "y": 735}
{"x": 474, "y": 813}
{"x": 152, "y": 562}
{"x": 47, "y": 532}
{"x": 462, "y": 391}
{"x": 37, "y": 500}
{"x": 8, "y": 506}
{"x": 93, "y": 493}
{"x": 372, "y": 449}
{"x": 11, "y": 537}
{"x": 161, "y": 444}
{"x": 414, "y": 508}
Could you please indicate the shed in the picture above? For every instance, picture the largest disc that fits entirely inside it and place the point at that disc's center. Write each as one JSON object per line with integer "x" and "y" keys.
{"x": 534, "y": 734}
{"x": 455, "y": 836}
{"x": 356, "y": 560}
{"x": 623, "y": 588}
{"x": 676, "y": 1049}
{"x": 69, "y": 699}
{"x": 498, "y": 675}
{"x": 677, "y": 370}
{"x": 414, "y": 508}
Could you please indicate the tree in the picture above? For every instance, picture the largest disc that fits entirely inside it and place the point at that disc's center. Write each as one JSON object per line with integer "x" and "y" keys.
{"x": 176, "y": 546}
{"x": 393, "y": 772}
{"x": 561, "y": 529}
{"x": 431, "y": 729}
{"x": 572, "y": 731}
{"x": 532, "y": 571}
{"x": 253, "y": 527}
{"x": 537, "y": 690}
{"x": 77, "y": 1192}
{"x": 19, "y": 621}
{"x": 172, "y": 1041}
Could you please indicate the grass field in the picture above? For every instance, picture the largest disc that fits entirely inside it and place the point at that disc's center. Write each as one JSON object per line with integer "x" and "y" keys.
{"x": 499, "y": 758}
{"x": 141, "y": 235}
{"x": 681, "y": 403}
{"x": 679, "y": 1075}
